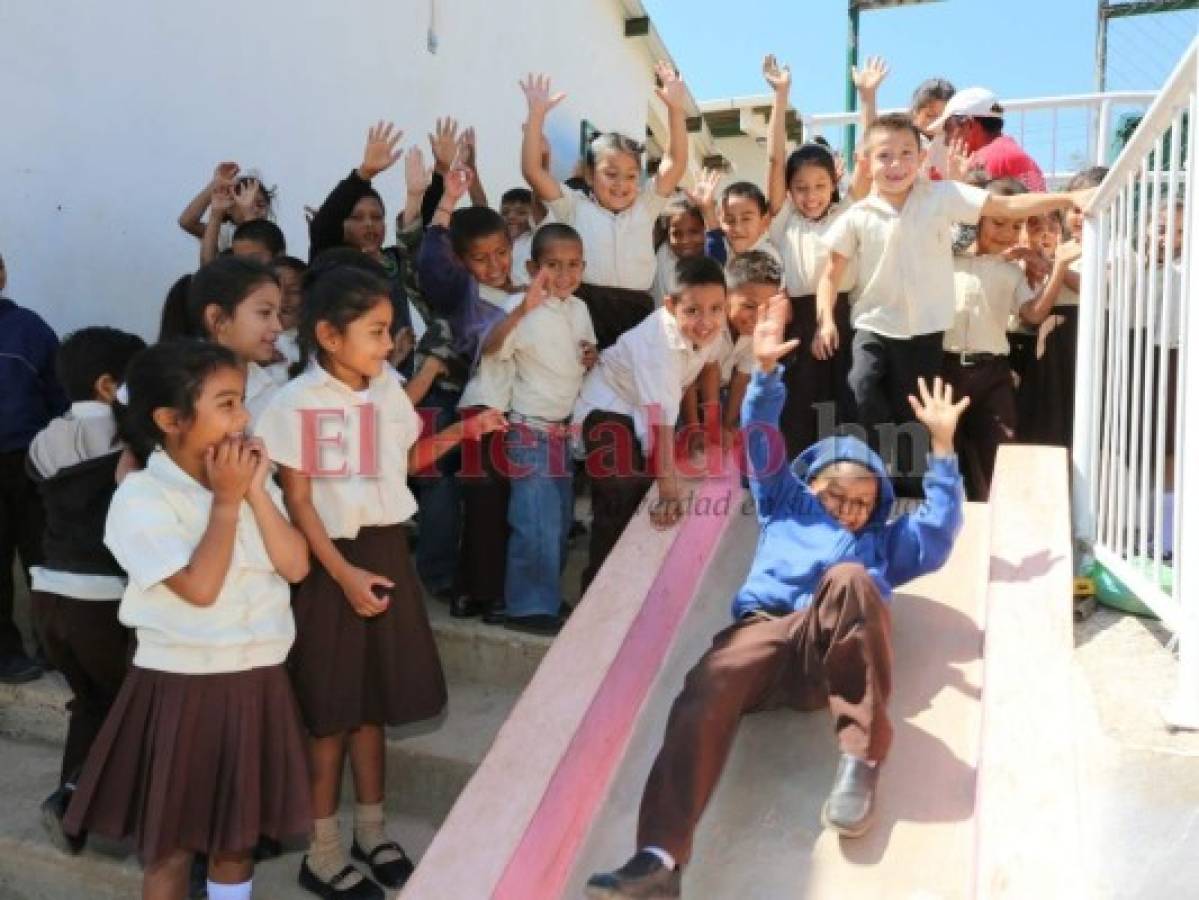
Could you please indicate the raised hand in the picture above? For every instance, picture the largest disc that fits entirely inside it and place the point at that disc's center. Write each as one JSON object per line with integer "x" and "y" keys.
{"x": 703, "y": 194}
{"x": 468, "y": 150}
{"x": 778, "y": 77}
{"x": 221, "y": 202}
{"x": 957, "y": 163}
{"x": 225, "y": 173}
{"x": 417, "y": 177}
{"x": 869, "y": 77}
{"x": 672, "y": 90}
{"x": 769, "y": 331}
{"x": 939, "y": 414}
{"x": 457, "y": 183}
{"x": 537, "y": 292}
{"x": 443, "y": 143}
{"x": 537, "y": 94}
{"x": 381, "y": 151}
{"x": 245, "y": 197}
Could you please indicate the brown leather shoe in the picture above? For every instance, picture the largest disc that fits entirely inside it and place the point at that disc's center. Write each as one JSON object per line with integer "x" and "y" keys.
{"x": 849, "y": 809}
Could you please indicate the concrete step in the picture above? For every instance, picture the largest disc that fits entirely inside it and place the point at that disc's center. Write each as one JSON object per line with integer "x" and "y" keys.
{"x": 32, "y": 869}
{"x": 428, "y": 764}
{"x": 489, "y": 654}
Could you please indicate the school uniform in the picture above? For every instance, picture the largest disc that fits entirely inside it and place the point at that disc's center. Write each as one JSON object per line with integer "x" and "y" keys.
{"x": 666, "y": 274}
{"x": 76, "y": 590}
{"x": 812, "y": 623}
{"x": 203, "y": 750}
{"x": 903, "y": 300}
{"x": 736, "y": 355}
{"x": 638, "y": 383}
{"x": 261, "y": 386}
{"x": 544, "y": 350}
{"x": 349, "y": 670}
{"x": 1046, "y": 400}
{"x": 621, "y": 262}
{"x": 813, "y": 385}
{"x": 287, "y": 344}
{"x": 989, "y": 291}
{"x": 522, "y": 252}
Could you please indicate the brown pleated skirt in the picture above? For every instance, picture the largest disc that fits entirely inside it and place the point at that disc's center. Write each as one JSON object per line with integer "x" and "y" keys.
{"x": 614, "y": 310}
{"x": 197, "y": 763}
{"x": 818, "y": 394}
{"x": 350, "y": 671}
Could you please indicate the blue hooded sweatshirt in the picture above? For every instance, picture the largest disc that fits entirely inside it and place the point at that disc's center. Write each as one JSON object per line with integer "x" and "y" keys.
{"x": 800, "y": 541}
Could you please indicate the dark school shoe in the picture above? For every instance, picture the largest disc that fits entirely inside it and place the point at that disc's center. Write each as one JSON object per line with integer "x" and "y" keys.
{"x": 849, "y": 809}
{"x": 496, "y": 613}
{"x": 54, "y": 808}
{"x": 336, "y": 888}
{"x": 463, "y": 607}
{"x": 643, "y": 877}
{"x": 393, "y": 874}
{"x": 17, "y": 668}
{"x": 197, "y": 877}
{"x": 544, "y": 625}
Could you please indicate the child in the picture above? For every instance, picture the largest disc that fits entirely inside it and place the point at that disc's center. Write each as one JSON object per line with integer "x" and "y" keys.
{"x": 75, "y": 590}
{"x": 522, "y": 213}
{"x": 180, "y": 764}
{"x": 812, "y": 626}
{"x": 630, "y": 401}
{"x": 805, "y": 202}
{"x": 989, "y": 289}
{"x": 30, "y": 396}
{"x": 260, "y": 239}
{"x": 290, "y": 272}
{"x": 753, "y": 278}
{"x": 928, "y": 103}
{"x": 904, "y": 300}
{"x": 744, "y": 223}
{"x": 617, "y": 220}
{"x": 364, "y": 655}
{"x": 549, "y": 340}
{"x": 1038, "y": 242}
{"x": 679, "y": 234}
{"x": 233, "y": 301}
{"x": 248, "y": 198}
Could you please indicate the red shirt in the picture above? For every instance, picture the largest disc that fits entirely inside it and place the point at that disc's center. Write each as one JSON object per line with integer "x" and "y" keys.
{"x": 1004, "y": 158}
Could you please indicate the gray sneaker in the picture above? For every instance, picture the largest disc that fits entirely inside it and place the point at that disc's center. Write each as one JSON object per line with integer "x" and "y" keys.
{"x": 849, "y": 809}
{"x": 643, "y": 877}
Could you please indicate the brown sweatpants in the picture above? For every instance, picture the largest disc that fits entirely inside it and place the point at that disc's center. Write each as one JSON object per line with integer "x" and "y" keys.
{"x": 835, "y": 653}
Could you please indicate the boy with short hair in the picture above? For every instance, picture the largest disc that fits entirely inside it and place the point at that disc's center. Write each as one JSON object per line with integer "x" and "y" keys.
{"x": 903, "y": 302}
{"x": 77, "y": 589}
{"x": 629, "y": 404}
{"x": 259, "y": 239}
{"x": 741, "y": 225}
{"x": 812, "y": 627}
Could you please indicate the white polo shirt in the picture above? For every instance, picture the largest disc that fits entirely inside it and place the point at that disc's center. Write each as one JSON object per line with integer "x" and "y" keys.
{"x": 260, "y": 387}
{"x": 736, "y": 355}
{"x": 905, "y": 256}
{"x": 157, "y": 519}
{"x": 618, "y": 247}
{"x": 544, "y": 349}
{"x": 353, "y": 444}
{"x": 666, "y": 275}
{"x": 491, "y": 383}
{"x": 798, "y": 241}
{"x": 651, "y": 365}
{"x": 988, "y": 290}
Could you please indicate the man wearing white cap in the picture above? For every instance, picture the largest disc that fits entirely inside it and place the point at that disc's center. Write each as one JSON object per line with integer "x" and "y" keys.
{"x": 975, "y": 117}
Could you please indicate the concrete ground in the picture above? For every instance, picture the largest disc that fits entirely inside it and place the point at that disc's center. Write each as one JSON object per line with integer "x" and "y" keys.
{"x": 1139, "y": 783}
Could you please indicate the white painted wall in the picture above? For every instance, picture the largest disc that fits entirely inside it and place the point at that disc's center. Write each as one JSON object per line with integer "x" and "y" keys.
{"x": 115, "y": 113}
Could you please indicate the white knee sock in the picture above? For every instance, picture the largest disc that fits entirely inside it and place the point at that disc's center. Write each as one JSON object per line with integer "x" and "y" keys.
{"x": 241, "y": 891}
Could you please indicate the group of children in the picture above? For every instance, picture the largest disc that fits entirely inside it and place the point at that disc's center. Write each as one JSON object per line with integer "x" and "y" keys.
{"x": 231, "y": 502}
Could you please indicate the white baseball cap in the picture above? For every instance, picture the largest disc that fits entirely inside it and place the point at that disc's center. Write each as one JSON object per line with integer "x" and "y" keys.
{"x": 973, "y": 101}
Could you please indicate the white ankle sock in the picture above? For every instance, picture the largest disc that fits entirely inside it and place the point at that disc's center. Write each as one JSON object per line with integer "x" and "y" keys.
{"x": 370, "y": 831}
{"x": 326, "y": 855}
{"x": 241, "y": 891}
{"x": 667, "y": 859}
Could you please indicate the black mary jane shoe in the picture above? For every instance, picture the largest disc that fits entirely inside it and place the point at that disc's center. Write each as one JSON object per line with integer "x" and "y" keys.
{"x": 393, "y": 874}
{"x": 365, "y": 889}
{"x": 540, "y": 624}
{"x": 54, "y": 810}
{"x": 463, "y": 607}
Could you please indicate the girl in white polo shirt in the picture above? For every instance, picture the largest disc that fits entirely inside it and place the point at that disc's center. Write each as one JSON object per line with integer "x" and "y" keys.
{"x": 616, "y": 219}
{"x": 345, "y": 437}
{"x": 203, "y": 750}
{"x": 235, "y": 302}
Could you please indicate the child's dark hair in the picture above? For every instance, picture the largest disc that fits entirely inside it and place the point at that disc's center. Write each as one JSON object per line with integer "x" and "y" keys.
{"x": 746, "y": 190}
{"x": 337, "y": 292}
{"x": 1006, "y": 187}
{"x": 679, "y": 205}
{"x": 992, "y": 125}
{"x": 291, "y": 263}
{"x": 930, "y": 91}
{"x": 1087, "y": 178}
{"x": 264, "y": 232}
{"x": 612, "y": 142}
{"x": 894, "y": 122}
{"x": 225, "y": 282}
{"x": 753, "y": 267}
{"x": 813, "y": 154}
{"x": 698, "y": 271}
{"x": 268, "y": 192}
{"x": 472, "y": 224}
{"x": 517, "y": 195}
{"x": 89, "y": 353}
{"x": 174, "y": 321}
{"x": 550, "y": 233}
{"x": 168, "y": 374}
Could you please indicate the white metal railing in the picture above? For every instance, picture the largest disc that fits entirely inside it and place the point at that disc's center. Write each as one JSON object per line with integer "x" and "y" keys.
{"x": 1138, "y": 335}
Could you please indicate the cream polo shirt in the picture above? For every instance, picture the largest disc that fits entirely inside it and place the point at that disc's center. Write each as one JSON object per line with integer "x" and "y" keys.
{"x": 260, "y": 387}
{"x": 763, "y": 245}
{"x": 544, "y": 350}
{"x": 650, "y": 365}
{"x": 988, "y": 290}
{"x": 155, "y": 523}
{"x": 618, "y": 247}
{"x": 799, "y": 242}
{"x": 491, "y": 383}
{"x": 736, "y": 355}
{"x": 353, "y": 445}
{"x": 905, "y": 257}
{"x": 666, "y": 276}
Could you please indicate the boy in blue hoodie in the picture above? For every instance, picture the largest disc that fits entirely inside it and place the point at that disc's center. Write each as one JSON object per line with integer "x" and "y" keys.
{"x": 812, "y": 625}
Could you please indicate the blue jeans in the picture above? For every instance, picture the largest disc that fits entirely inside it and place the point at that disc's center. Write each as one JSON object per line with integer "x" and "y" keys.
{"x": 440, "y": 505}
{"x": 539, "y": 512}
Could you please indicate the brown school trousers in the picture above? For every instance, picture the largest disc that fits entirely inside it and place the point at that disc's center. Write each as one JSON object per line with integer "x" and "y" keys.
{"x": 989, "y": 421}
{"x": 835, "y": 653}
{"x": 84, "y": 640}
